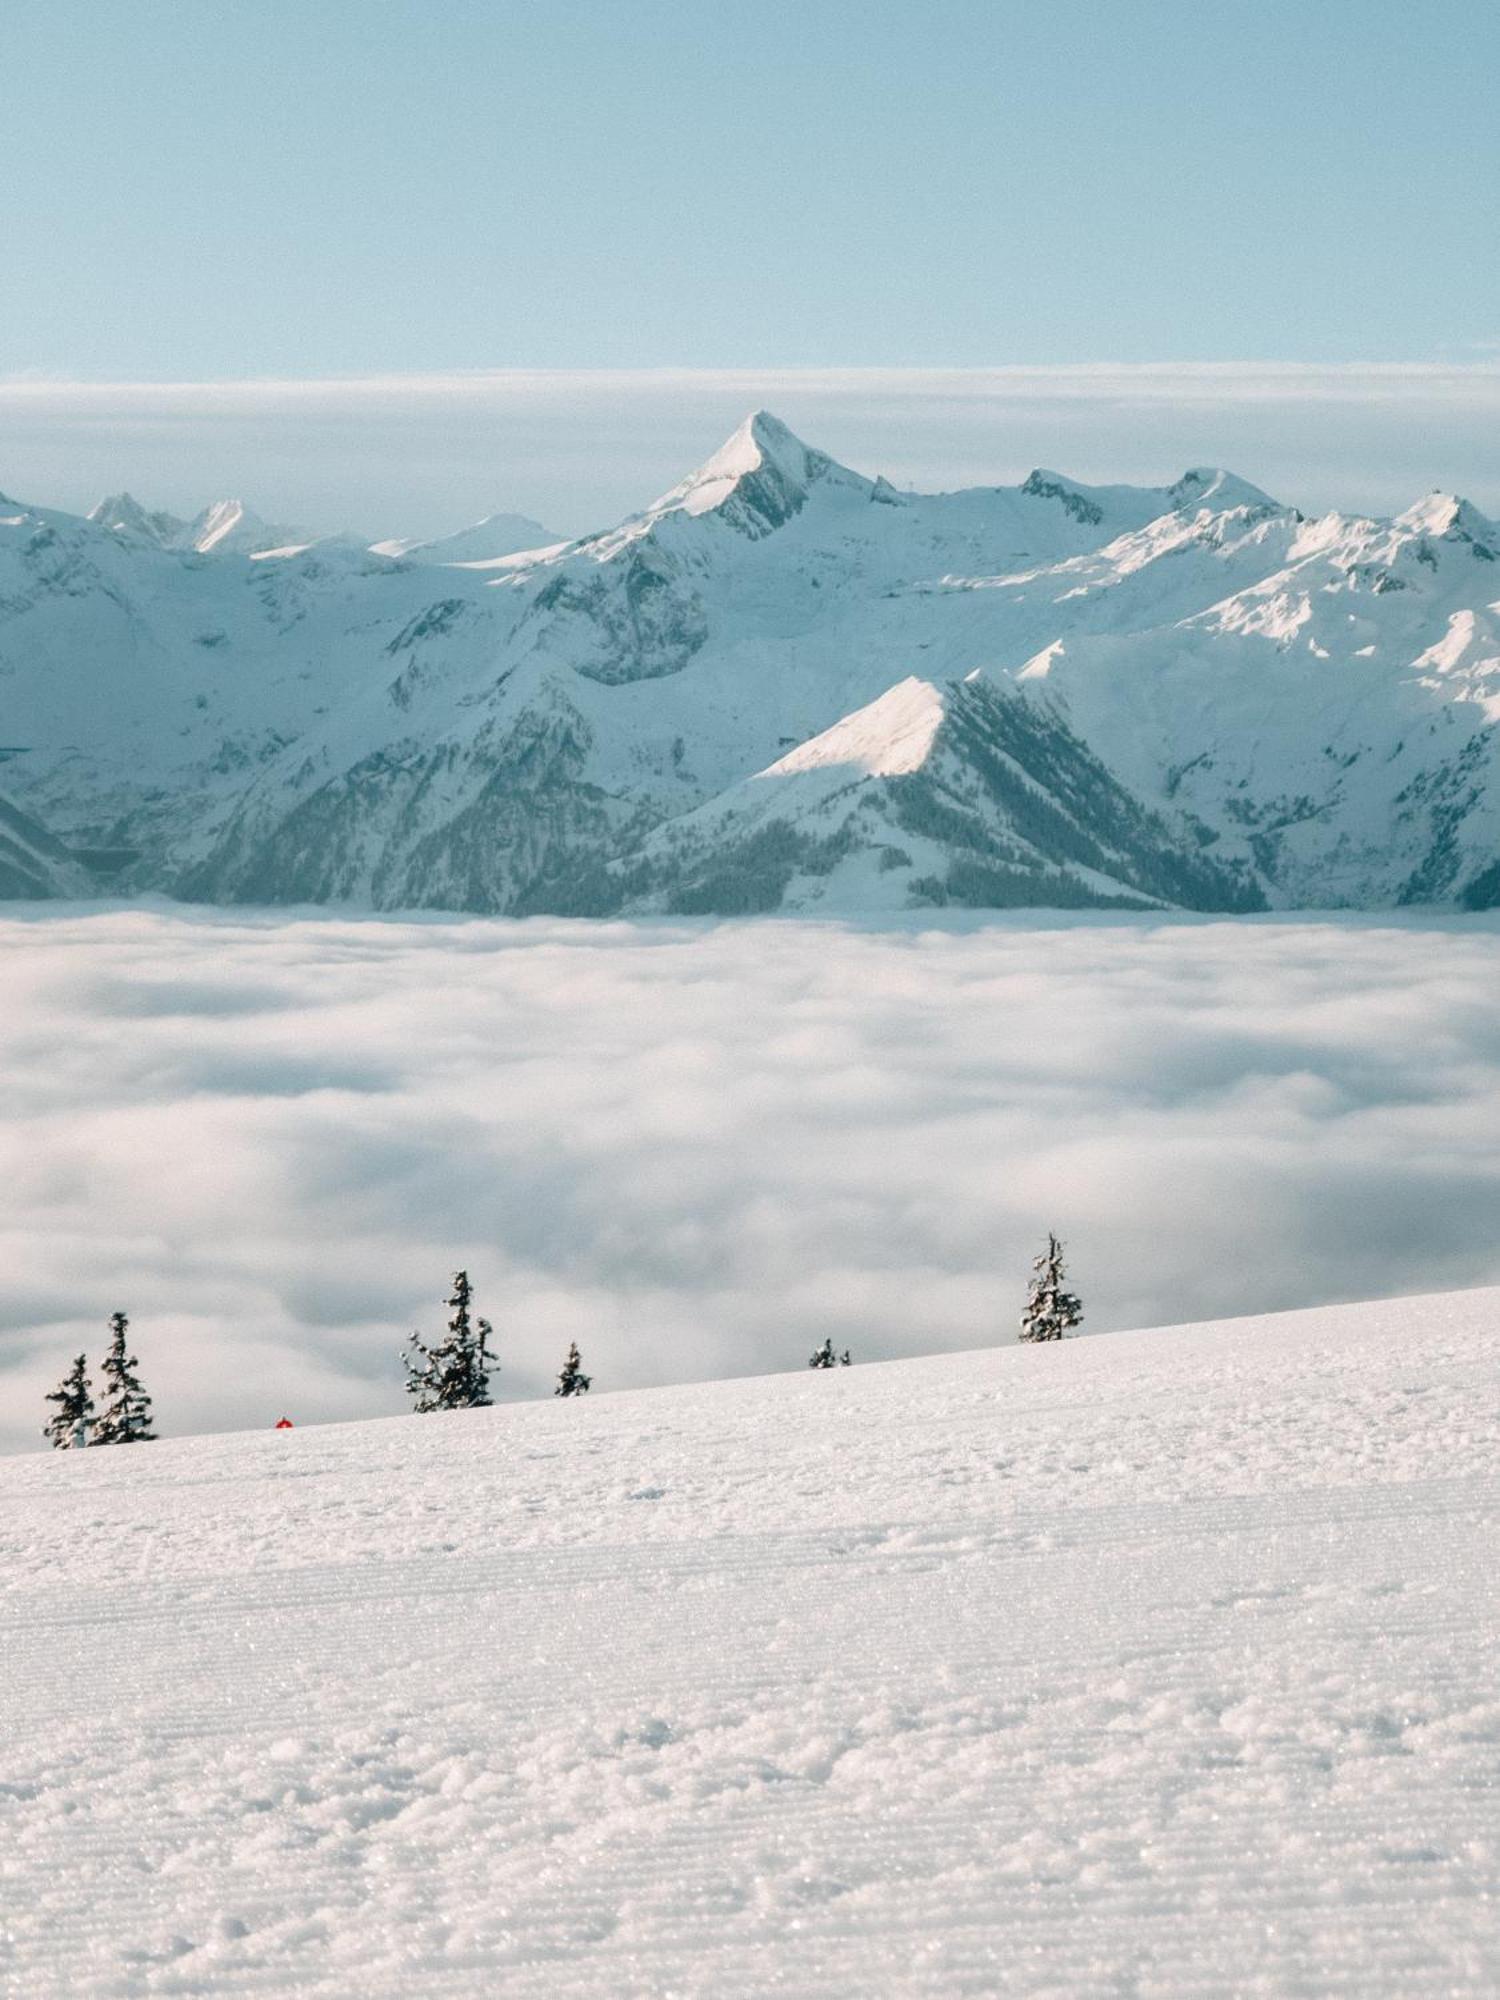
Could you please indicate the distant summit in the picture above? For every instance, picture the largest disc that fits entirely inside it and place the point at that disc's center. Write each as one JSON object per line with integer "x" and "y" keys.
{"x": 758, "y": 478}
{"x": 227, "y": 526}
{"x": 124, "y": 515}
{"x": 230, "y": 526}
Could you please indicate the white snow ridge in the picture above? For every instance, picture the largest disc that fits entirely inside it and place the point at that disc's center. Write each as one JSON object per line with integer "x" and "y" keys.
{"x": 1155, "y": 1664}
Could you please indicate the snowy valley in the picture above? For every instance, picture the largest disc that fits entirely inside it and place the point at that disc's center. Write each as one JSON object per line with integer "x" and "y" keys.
{"x": 782, "y": 685}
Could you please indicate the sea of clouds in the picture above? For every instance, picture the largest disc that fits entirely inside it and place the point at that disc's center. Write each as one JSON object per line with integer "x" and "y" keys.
{"x": 699, "y": 1149}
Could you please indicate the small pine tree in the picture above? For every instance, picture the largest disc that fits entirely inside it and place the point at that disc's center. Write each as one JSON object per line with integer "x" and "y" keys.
{"x": 126, "y": 1416}
{"x": 573, "y": 1381}
{"x": 1051, "y": 1310}
{"x": 454, "y": 1375}
{"x": 69, "y": 1429}
{"x": 424, "y": 1376}
{"x": 824, "y": 1357}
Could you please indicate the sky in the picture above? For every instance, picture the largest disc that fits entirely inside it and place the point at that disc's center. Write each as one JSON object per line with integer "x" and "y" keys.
{"x": 369, "y": 207}
{"x": 700, "y": 1150}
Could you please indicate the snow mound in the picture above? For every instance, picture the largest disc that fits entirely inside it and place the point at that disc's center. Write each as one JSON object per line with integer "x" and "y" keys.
{"x": 1157, "y": 1663}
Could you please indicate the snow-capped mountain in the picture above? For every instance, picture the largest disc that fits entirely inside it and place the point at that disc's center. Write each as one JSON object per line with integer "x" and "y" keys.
{"x": 962, "y": 791}
{"x": 231, "y": 527}
{"x": 782, "y": 684}
{"x": 226, "y": 526}
{"x": 122, "y": 514}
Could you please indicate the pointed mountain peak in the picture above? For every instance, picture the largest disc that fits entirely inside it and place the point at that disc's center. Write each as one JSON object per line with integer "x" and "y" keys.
{"x": 761, "y": 440}
{"x": 757, "y": 479}
{"x": 123, "y": 514}
{"x": 229, "y": 527}
{"x": 220, "y": 520}
{"x": 115, "y": 506}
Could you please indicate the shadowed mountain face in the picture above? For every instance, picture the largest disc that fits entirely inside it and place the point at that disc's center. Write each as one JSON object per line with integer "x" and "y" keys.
{"x": 34, "y": 865}
{"x": 781, "y": 685}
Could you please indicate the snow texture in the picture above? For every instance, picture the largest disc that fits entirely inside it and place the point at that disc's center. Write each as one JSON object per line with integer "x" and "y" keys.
{"x": 1156, "y": 1664}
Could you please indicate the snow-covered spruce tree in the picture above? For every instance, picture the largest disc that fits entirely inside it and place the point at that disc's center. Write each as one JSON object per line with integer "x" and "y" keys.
{"x": 573, "y": 1381}
{"x": 126, "y": 1416}
{"x": 454, "y": 1375}
{"x": 1051, "y": 1310}
{"x": 824, "y": 1357}
{"x": 69, "y": 1429}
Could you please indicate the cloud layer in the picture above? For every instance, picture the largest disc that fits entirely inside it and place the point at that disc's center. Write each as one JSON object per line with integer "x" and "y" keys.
{"x": 698, "y": 1150}
{"x": 412, "y": 454}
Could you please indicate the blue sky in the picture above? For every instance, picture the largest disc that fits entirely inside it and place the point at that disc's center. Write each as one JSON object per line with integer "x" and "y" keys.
{"x": 383, "y": 188}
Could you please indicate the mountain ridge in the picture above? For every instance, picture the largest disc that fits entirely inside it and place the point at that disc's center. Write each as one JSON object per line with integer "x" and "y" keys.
{"x": 1270, "y": 710}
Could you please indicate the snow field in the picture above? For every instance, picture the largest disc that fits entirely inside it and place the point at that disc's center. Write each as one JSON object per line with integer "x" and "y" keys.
{"x": 1153, "y": 1664}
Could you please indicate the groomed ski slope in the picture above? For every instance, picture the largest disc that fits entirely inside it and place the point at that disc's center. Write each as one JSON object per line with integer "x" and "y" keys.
{"x": 1158, "y": 1663}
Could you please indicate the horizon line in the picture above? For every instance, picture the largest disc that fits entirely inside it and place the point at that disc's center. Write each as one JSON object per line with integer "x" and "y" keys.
{"x": 1235, "y": 380}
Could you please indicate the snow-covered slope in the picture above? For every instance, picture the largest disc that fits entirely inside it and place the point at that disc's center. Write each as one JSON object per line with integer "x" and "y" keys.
{"x": 957, "y": 793}
{"x": 1275, "y": 711}
{"x": 495, "y": 537}
{"x": 1333, "y": 719}
{"x": 229, "y": 526}
{"x": 1160, "y": 1663}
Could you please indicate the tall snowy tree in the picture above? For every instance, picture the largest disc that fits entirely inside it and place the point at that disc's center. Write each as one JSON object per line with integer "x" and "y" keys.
{"x": 69, "y": 1429}
{"x": 1051, "y": 1310}
{"x": 455, "y": 1374}
{"x": 126, "y": 1416}
{"x": 573, "y": 1381}
{"x": 824, "y": 1357}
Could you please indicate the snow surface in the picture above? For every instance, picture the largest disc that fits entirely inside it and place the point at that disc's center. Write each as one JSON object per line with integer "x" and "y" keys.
{"x": 497, "y": 538}
{"x": 891, "y": 736}
{"x": 1155, "y": 1664}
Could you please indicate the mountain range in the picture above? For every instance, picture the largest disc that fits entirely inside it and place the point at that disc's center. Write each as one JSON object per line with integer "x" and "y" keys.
{"x": 783, "y": 684}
